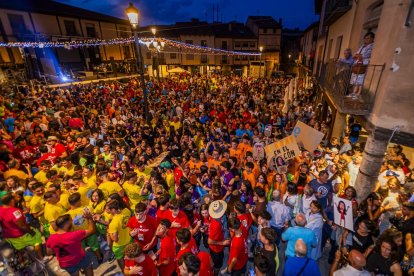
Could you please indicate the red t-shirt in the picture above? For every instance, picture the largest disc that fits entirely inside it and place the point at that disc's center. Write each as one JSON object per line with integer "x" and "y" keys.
{"x": 8, "y": 218}
{"x": 75, "y": 123}
{"x": 238, "y": 249}
{"x": 26, "y": 154}
{"x": 246, "y": 222}
{"x": 177, "y": 176}
{"x": 216, "y": 234}
{"x": 58, "y": 149}
{"x": 167, "y": 251}
{"x": 181, "y": 219}
{"x": 205, "y": 264}
{"x": 47, "y": 156}
{"x": 67, "y": 247}
{"x": 161, "y": 214}
{"x": 191, "y": 248}
{"x": 146, "y": 229}
{"x": 148, "y": 266}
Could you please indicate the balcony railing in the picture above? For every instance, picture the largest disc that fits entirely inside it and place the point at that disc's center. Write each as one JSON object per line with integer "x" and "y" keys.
{"x": 335, "y": 9}
{"x": 338, "y": 82}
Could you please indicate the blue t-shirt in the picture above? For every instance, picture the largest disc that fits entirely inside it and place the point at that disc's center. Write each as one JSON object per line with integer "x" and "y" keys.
{"x": 292, "y": 234}
{"x": 295, "y": 264}
{"x": 324, "y": 189}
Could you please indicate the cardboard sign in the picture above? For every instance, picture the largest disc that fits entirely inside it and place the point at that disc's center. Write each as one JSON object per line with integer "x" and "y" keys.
{"x": 258, "y": 151}
{"x": 158, "y": 160}
{"x": 307, "y": 136}
{"x": 343, "y": 213}
{"x": 281, "y": 151}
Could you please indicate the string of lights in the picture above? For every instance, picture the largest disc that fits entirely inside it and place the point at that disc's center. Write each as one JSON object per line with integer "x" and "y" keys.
{"x": 185, "y": 47}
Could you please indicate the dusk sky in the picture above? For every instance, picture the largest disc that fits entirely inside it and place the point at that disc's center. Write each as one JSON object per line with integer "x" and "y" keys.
{"x": 294, "y": 13}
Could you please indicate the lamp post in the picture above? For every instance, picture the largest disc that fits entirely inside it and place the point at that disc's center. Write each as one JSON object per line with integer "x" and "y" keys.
{"x": 260, "y": 66}
{"x": 133, "y": 17}
{"x": 157, "y": 69}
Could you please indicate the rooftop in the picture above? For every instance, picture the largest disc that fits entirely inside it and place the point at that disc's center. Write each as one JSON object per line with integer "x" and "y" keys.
{"x": 201, "y": 28}
{"x": 264, "y": 21}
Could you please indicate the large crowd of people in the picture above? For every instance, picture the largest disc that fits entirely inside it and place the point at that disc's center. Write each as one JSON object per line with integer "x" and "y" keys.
{"x": 86, "y": 178}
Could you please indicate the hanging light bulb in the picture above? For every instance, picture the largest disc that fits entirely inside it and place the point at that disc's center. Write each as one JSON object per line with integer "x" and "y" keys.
{"x": 155, "y": 43}
{"x": 162, "y": 44}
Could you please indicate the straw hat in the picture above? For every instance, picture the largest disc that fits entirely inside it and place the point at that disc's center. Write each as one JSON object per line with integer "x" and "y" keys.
{"x": 217, "y": 209}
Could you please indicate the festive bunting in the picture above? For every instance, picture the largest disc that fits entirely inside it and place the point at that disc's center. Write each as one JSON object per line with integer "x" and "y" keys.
{"x": 158, "y": 44}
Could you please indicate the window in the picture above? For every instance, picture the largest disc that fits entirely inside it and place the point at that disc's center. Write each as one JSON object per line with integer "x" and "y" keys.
{"x": 70, "y": 27}
{"x": 203, "y": 43}
{"x": 224, "y": 59}
{"x": 373, "y": 15}
{"x": 237, "y": 58}
{"x": 338, "y": 46}
{"x": 203, "y": 59}
{"x": 237, "y": 44}
{"x": 224, "y": 45}
{"x": 245, "y": 45}
{"x": 252, "y": 45}
{"x": 90, "y": 30}
{"x": 17, "y": 23}
{"x": 265, "y": 31}
{"x": 173, "y": 55}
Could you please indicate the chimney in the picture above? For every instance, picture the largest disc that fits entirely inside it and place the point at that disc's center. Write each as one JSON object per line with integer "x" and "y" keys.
{"x": 230, "y": 28}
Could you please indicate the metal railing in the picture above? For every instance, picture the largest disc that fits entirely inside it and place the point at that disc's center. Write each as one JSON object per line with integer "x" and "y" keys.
{"x": 338, "y": 80}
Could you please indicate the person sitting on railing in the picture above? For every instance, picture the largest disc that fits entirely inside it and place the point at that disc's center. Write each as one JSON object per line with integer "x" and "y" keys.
{"x": 359, "y": 67}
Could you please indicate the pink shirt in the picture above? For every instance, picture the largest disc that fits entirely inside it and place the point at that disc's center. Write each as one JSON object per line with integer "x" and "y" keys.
{"x": 67, "y": 247}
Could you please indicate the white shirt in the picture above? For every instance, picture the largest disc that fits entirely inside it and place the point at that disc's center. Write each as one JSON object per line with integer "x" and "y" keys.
{"x": 280, "y": 213}
{"x": 350, "y": 271}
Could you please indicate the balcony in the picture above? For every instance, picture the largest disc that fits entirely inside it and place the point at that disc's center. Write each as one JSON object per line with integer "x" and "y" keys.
{"x": 334, "y": 9}
{"x": 335, "y": 80}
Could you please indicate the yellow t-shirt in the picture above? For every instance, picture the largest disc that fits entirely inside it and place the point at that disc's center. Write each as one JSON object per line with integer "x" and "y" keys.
{"x": 64, "y": 199}
{"x": 90, "y": 181}
{"x": 169, "y": 178}
{"x": 99, "y": 208}
{"x": 41, "y": 177}
{"x": 83, "y": 191}
{"x": 176, "y": 125}
{"x": 52, "y": 212}
{"x": 78, "y": 221}
{"x": 118, "y": 225}
{"x": 67, "y": 172}
{"x": 132, "y": 191}
{"x": 146, "y": 173}
{"x": 37, "y": 204}
{"x": 110, "y": 187}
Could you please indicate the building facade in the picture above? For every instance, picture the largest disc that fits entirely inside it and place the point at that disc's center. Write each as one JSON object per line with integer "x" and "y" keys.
{"x": 232, "y": 36}
{"x": 37, "y": 21}
{"x": 385, "y": 108}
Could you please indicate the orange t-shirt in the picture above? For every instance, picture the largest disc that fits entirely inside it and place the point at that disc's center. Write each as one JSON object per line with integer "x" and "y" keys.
{"x": 250, "y": 177}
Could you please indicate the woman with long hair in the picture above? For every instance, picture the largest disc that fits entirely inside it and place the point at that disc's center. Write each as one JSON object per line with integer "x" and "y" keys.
{"x": 315, "y": 222}
{"x": 383, "y": 260}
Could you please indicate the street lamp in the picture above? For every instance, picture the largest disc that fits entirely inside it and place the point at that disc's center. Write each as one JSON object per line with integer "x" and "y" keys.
{"x": 133, "y": 16}
{"x": 260, "y": 66}
{"x": 157, "y": 48}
